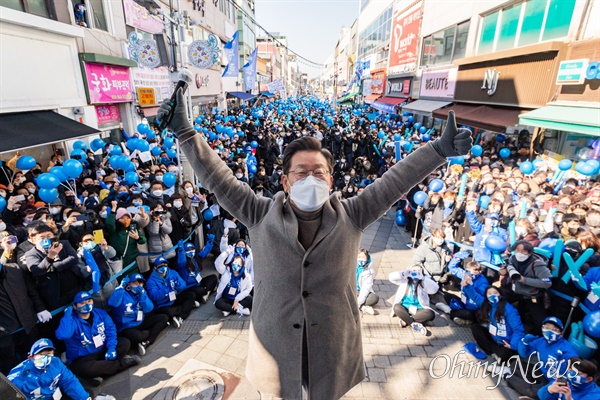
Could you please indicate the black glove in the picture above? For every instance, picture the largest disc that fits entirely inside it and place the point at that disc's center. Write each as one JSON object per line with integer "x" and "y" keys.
{"x": 454, "y": 141}
{"x": 179, "y": 123}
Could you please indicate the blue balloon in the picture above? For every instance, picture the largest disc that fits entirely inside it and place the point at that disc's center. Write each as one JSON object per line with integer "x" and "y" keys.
{"x": 505, "y": 152}
{"x": 536, "y": 163}
{"x": 495, "y": 244}
{"x": 116, "y": 151}
{"x": 591, "y": 324}
{"x": 373, "y": 126}
{"x": 169, "y": 179}
{"x": 484, "y": 201}
{"x": 586, "y": 169}
{"x": 72, "y": 168}
{"x": 150, "y": 135}
{"x": 397, "y": 137}
{"x": 172, "y": 153}
{"x": 59, "y": 173}
{"x": 422, "y": 130}
{"x": 169, "y": 142}
{"x": 129, "y": 167}
{"x": 417, "y": 126}
{"x": 459, "y": 160}
{"x": 399, "y": 212}
{"x": 132, "y": 144}
{"x": 565, "y": 164}
{"x": 436, "y": 185}
{"x": 97, "y": 144}
{"x": 143, "y": 128}
{"x": 400, "y": 220}
{"x": 381, "y": 134}
{"x": 26, "y": 162}
{"x": 78, "y": 153}
{"x": 79, "y": 145}
{"x": 212, "y": 136}
{"x": 48, "y": 195}
{"x": 426, "y": 137}
{"x": 198, "y": 119}
{"x": 595, "y": 164}
{"x": 143, "y": 145}
{"x": 420, "y": 197}
{"x": 411, "y": 119}
{"x": 477, "y": 150}
{"x": 500, "y": 138}
{"x": 526, "y": 167}
{"x": 156, "y": 151}
{"x": 406, "y": 146}
{"x": 252, "y": 168}
{"x": 254, "y": 144}
{"x": 548, "y": 244}
{"x": 47, "y": 181}
{"x": 2, "y": 204}
{"x": 131, "y": 177}
{"x": 208, "y": 214}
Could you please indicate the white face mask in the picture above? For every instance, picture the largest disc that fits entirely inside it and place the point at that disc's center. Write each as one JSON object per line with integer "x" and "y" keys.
{"x": 159, "y": 178}
{"x": 55, "y": 210}
{"x": 520, "y": 231}
{"x": 239, "y": 176}
{"x": 438, "y": 241}
{"x": 189, "y": 190}
{"x": 2, "y": 226}
{"x": 309, "y": 194}
{"x": 177, "y": 204}
{"x": 521, "y": 257}
{"x": 31, "y": 190}
{"x": 157, "y": 193}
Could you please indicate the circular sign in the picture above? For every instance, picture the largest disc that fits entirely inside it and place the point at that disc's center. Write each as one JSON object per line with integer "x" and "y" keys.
{"x": 147, "y": 53}
{"x": 204, "y": 54}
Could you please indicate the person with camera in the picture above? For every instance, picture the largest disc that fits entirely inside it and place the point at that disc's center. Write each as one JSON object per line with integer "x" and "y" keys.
{"x": 577, "y": 385}
{"x": 553, "y": 352}
{"x": 159, "y": 230}
{"x": 482, "y": 231}
{"x": 130, "y": 312}
{"x": 124, "y": 235}
{"x": 411, "y": 303}
{"x": 44, "y": 376}
{"x": 464, "y": 308}
{"x": 166, "y": 290}
{"x": 525, "y": 279}
{"x": 58, "y": 270}
{"x": 180, "y": 219}
{"x": 93, "y": 349}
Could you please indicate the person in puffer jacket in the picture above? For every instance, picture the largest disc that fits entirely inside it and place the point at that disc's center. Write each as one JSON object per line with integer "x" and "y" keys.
{"x": 592, "y": 301}
{"x": 93, "y": 349}
{"x": 41, "y": 374}
{"x": 365, "y": 275}
{"x": 130, "y": 307}
{"x": 580, "y": 383}
{"x": 481, "y": 253}
{"x": 233, "y": 293}
{"x": 240, "y": 248}
{"x": 165, "y": 288}
{"x": 500, "y": 329}
{"x": 553, "y": 352}
{"x": 189, "y": 267}
{"x": 464, "y": 308}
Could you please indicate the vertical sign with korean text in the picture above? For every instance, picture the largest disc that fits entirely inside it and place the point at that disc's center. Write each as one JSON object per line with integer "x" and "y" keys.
{"x": 108, "y": 113}
{"x": 406, "y": 26}
{"x": 108, "y": 83}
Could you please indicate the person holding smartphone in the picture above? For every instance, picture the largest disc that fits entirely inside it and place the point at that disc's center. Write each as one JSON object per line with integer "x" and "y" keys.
{"x": 123, "y": 234}
{"x": 577, "y": 385}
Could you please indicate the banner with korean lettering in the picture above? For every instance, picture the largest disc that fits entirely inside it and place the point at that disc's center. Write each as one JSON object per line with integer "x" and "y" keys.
{"x": 107, "y": 114}
{"x": 108, "y": 83}
{"x": 249, "y": 70}
{"x": 232, "y": 52}
{"x": 276, "y": 86}
{"x": 406, "y": 26}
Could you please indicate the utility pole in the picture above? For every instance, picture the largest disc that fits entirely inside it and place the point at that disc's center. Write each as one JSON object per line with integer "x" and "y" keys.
{"x": 335, "y": 80}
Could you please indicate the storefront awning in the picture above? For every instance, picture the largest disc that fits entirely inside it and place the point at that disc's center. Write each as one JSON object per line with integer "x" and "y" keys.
{"x": 491, "y": 118}
{"x": 347, "y": 97}
{"x": 241, "y": 95}
{"x": 388, "y": 104}
{"x": 36, "y": 128}
{"x": 371, "y": 98}
{"x": 268, "y": 94}
{"x": 584, "y": 120}
{"x": 425, "y": 107}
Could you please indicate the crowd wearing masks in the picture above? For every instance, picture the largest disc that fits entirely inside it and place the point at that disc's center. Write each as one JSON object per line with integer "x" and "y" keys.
{"x": 130, "y": 208}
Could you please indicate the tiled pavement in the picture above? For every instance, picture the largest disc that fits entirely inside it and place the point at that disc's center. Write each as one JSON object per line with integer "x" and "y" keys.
{"x": 398, "y": 361}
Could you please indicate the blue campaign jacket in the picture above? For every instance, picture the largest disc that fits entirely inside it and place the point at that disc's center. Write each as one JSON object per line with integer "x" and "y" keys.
{"x": 510, "y": 327}
{"x": 593, "y": 275}
{"x": 125, "y": 306}
{"x": 481, "y": 253}
{"x": 189, "y": 269}
{"x": 479, "y": 284}
{"x": 589, "y": 391}
{"x": 42, "y": 383}
{"x": 551, "y": 354}
{"x": 158, "y": 287}
{"x": 78, "y": 334}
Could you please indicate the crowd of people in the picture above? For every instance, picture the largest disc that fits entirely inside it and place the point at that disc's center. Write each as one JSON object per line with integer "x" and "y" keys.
{"x": 119, "y": 246}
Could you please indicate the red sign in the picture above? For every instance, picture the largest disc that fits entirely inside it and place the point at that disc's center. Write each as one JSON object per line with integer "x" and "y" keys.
{"x": 107, "y": 114}
{"x": 406, "y": 25}
{"x": 378, "y": 81}
{"x": 108, "y": 83}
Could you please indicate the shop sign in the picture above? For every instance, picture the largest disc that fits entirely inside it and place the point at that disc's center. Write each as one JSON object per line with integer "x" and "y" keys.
{"x": 108, "y": 83}
{"x": 146, "y": 96}
{"x": 367, "y": 88}
{"x": 202, "y": 81}
{"x": 398, "y": 87}
{"x": 593, "y": 71}
{"x": 490, "y": 81}
{"x": 406, "y": 25}
{"x": 572, "y": 72}
{"x": 378, "y": 81}
{"x": 138, "y": 17}
{"x": 157, "y": 79}
{"x": 108, "y": 113}
{"x": 439, "y": 84}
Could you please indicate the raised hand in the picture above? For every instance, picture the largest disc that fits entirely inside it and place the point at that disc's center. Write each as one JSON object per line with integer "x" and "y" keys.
{"x": 454, "y": 141}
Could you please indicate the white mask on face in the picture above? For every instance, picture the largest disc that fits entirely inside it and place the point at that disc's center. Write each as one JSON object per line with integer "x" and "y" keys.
{"x": 438, "y": 241}
{"x": 239, "y": 176}
{"x": 177, "y": 204}
{"x": 309, "y": 194}
{"x": 157, "y": 193}
{"x": 521, "y": 257}
{"x": 2, "y": 226}
{"x": 159, "y": 178}
{"x": 189, "y": 190}
{"x": 55, "y": 210}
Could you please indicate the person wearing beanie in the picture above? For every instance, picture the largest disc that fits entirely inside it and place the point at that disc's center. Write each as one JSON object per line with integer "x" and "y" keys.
{"x": 124, "y": 235}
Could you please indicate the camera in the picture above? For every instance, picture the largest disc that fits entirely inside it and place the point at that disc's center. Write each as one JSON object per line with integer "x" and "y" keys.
{"x": 513, "y": 273}
{"x": 158, "y": 213}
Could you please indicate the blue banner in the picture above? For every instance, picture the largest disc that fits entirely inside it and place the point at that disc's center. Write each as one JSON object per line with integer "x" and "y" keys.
{"x": 383, "y": 107}
{"x": 232, "y": 50}
{"x": 249, "y": 70}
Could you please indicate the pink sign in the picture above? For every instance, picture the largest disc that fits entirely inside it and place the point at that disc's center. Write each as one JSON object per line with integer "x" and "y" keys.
{"x": 138, "y": 17}
{"x": 108, "y": 83}
{"x": 439, "y": 84}
{"x": 107, "y": 114}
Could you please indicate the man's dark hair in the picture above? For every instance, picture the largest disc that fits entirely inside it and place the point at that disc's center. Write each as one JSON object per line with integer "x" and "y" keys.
{"x": 39, "y": 227}
{"x": 527, "y": 246}
{"x": 305, "y": 143}
{"x": 570, "y": 217}
{"x": 585, "y": 366}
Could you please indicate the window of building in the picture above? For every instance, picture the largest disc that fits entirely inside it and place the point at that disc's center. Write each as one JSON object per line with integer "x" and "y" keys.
{"x": 376, "y": 35}
{"x": 42, "y": 8}
{"x": 91, "y": 14}
{"x": 446, "y": 45}
{"x": 524, "y": 23}
{"x": 98, "y": 14}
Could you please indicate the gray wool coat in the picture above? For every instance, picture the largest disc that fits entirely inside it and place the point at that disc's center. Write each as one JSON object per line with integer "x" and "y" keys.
{"x": 297, "y": 287}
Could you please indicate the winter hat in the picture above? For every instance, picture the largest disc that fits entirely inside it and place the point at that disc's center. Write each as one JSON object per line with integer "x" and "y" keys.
{"x": 121, "y": 212}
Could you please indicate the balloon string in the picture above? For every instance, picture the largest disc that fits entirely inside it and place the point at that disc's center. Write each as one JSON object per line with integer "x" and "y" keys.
{"x": 6, "y": 175}
{"x": 62, "y": 184}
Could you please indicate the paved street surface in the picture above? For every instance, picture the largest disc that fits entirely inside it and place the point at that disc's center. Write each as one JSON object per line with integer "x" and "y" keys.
{"x": 397, "y": 360}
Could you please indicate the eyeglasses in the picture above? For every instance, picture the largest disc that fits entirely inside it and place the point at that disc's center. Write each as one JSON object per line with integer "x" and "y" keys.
{"x": 319, "y": 173}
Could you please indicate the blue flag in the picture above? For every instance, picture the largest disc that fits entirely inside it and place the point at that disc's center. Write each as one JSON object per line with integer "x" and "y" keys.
{"x": 89, "y": 260}
{"x": 232, "y": 50}
{"x": 249, "y": 70}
